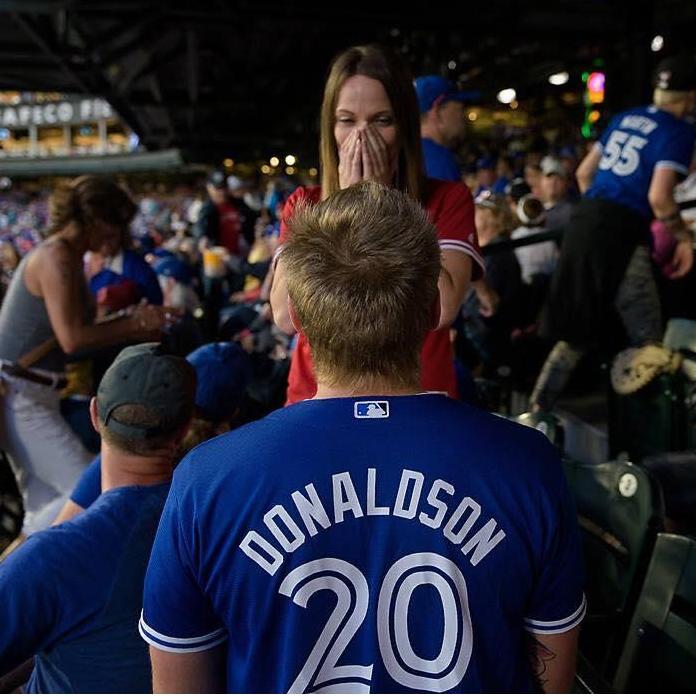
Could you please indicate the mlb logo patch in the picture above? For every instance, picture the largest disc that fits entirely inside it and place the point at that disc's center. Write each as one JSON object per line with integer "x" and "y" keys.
{"x": 371, "y": 409}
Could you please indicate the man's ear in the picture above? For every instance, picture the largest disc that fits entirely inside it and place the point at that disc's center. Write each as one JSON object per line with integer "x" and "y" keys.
{"x": 293, "y": 316}
{"x": 93, "y": 413}
{"x": 435, "y": 311}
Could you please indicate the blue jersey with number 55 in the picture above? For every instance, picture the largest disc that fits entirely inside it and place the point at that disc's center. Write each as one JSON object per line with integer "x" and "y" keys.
{"x": 635, "y": 143}
{"x": 390, "y": 544}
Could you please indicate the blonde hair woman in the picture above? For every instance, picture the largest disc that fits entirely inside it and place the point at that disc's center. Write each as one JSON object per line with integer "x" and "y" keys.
{"x": 370, "y": 131}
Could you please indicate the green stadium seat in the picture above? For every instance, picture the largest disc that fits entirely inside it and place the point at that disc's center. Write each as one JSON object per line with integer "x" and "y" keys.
{"x": 546, "y": 423}
{"x": 619, "y": 512}
{"x": 659, "y": 655}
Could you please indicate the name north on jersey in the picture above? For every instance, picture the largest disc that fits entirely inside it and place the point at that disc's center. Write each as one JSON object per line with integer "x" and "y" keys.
{"x": 287, "y": 526}
{"x": 642, "y": 124}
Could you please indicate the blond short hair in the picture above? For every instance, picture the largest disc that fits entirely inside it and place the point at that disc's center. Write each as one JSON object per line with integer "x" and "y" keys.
{"x": 362, "y": 271}
{"x": 669, "y": 97}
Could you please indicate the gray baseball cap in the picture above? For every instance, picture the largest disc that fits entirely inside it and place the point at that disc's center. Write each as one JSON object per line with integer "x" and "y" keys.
{"x": 148, "y": 376}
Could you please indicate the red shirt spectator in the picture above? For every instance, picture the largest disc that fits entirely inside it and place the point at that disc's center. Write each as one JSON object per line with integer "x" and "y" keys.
{"x": 451, "y": 209}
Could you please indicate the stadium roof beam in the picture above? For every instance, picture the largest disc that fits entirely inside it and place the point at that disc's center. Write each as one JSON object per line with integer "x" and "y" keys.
{"x": 44, "y": 43}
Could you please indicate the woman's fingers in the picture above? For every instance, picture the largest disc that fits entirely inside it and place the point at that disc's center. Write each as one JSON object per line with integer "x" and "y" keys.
{"x": 377, "y": 152}
{"x": 368, "y": 160}
{"x": 350, "y": 160}
{"x": 348, "y": 144}
{"x": 357, "y": 164}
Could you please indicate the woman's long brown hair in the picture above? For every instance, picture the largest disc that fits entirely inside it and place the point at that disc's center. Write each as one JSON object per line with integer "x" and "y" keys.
{"x": 379, "y": 64}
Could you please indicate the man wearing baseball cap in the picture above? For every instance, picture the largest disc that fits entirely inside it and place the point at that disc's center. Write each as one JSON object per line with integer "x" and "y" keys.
{"x": 627, "y": 179}
{"x": 442, "y": 125}
{"x": 76, "y": 589}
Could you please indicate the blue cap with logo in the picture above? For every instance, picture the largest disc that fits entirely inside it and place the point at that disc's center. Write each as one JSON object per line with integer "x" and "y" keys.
{"x": 433, "y": 88}
{"x": 224, "y": 371}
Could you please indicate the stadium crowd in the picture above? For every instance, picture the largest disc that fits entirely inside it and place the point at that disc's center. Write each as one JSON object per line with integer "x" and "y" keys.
{"x": 206, "y": 385}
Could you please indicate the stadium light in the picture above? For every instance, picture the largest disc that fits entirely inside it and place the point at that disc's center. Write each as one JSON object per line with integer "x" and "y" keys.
{"x": 274, "y": 161}
{"x": 506, "y": 96}
{"x": 657, "y": 43}
{"x": 559, "y": 78}
{"x": 595, "y": 87}
{"x": 290, "y": 160}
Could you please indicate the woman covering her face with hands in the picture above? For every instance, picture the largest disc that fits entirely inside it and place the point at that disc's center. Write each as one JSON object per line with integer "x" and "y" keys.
{"x": 370, "y": 130}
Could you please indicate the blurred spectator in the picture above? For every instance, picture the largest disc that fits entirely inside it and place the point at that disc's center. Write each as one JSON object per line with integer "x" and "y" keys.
{"x": 569, "y": 160}
{"x": 485, "y": 175}
{"x": 9, "y": 260}
{"x": 505, "y": 172}
{"x": 77, "y": 588}
{"x": 442, "y": 126}
{"x": 46, "y": 314}
{"x": 116, "y": 262}
{"x": 533, "y": 177}
{"x": 223, "y": 220}
{"x": 514, "y": 191}
{"x": 535, "y": 259}
{"x": 554, "y": 193}
{"x": 490, "y": 333}
{"x": 176, "y": 278}
{"x": 605, "y": 266}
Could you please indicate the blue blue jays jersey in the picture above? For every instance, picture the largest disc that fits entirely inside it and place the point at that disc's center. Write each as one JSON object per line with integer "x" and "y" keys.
{"x": 634, "y": 144}
{"x": 383, "y": 544}
{"x": 440, "y": 163}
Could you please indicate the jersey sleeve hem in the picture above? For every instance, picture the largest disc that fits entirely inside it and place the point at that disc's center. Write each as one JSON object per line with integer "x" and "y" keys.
{"x": 180, "y": 645}
{"x": 671, "y": 164}
{"x": 559, "y": 626}
{"x": 465, "y": 248}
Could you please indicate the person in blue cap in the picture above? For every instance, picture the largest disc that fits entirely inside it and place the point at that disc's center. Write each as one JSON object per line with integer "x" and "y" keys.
{"x": 442, "y": 125}
{"x": 176, "y": 278}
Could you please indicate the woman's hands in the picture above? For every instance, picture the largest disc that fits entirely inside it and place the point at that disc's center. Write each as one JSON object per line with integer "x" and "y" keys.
{"x": 153, "y": 319}
{"x": 364, "y": 156}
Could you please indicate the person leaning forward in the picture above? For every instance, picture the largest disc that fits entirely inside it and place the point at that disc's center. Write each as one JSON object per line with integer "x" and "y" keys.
{"x": 72, "y": 593}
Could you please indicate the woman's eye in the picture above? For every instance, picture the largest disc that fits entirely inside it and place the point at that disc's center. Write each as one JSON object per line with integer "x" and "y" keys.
{"x": 345, "y": 119}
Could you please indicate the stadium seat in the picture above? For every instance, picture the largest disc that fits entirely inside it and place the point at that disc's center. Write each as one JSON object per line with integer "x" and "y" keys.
{"x": 546, "y": 423}
{"x": 660, "y": 650}
{"x": 619, "y": 511}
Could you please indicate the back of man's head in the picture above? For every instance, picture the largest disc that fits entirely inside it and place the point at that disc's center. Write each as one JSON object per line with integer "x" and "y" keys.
{"x": 362, "y": 269}
{"x": 145, "y": 400}
{"x": 674, "y": 82}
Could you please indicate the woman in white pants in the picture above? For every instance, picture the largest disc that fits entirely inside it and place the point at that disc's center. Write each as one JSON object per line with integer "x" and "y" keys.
{"x": 45, "y": 315}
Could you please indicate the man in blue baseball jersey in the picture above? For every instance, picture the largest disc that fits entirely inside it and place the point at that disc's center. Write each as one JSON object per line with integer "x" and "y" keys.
{"x": 442, "y": 125}
{"x": 374, "y": 538}
{"x": 72, "y": 593}
{"x": 604, "y": 268}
